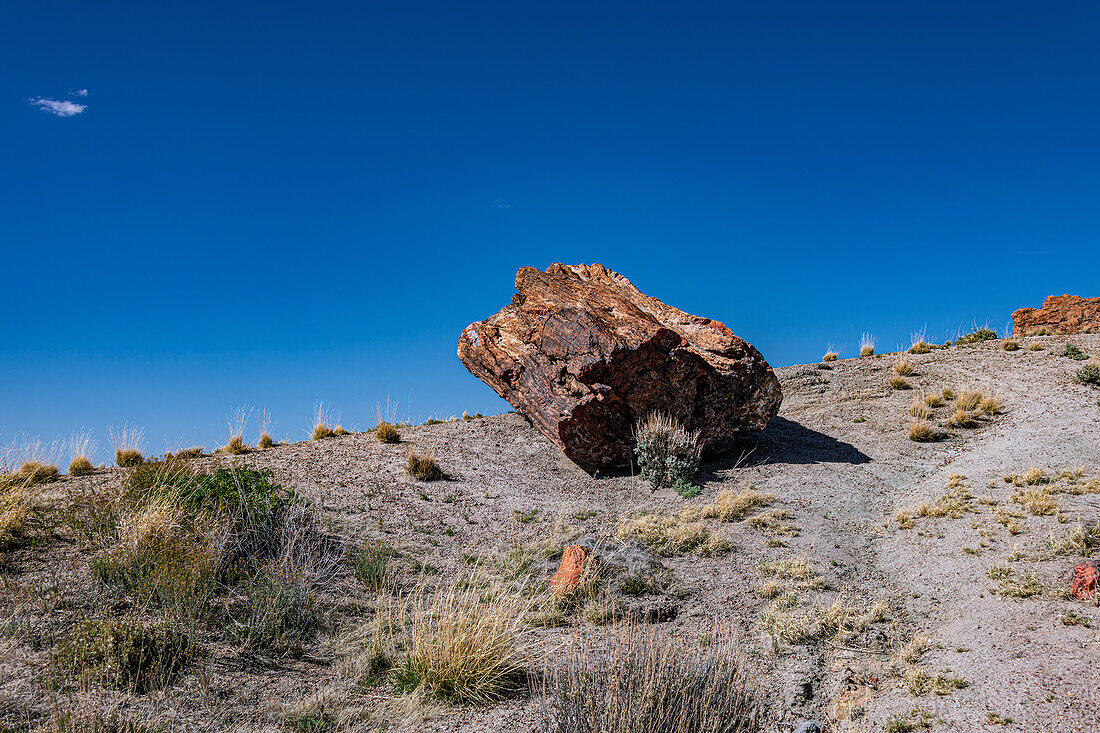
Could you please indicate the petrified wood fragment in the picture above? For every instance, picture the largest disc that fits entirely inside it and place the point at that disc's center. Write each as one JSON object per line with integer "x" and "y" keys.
{"x": 582, "y": 354}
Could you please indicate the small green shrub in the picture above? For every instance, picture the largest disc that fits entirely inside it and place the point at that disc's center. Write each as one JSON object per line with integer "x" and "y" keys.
{"x": 124, "y": 654}
{"x": 1088, "y": 374}
{"x": 1070, "y": 351}
{"x": 977, "y": 336}
{"x": 668, "y": 454}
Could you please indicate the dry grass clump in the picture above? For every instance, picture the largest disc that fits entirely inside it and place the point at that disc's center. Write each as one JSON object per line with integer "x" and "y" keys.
{"x": 911, "y": 652}
{"x": 423, "y": 466}
{"x": 831, "y": 354}
{"x": 919, "y": 343}
{"x": 904, "y": 518}
{"x": 921, "y": 431}
{"x": 962, "y": 419}
{"x": 651, "y": 682}
{"x": 954, "y": 504}
{"x": 920, "y": 409}
{"x": 464, "y": 645}
{"x": 1011, "y": 345}
{"x": 1014, "y": 585}
{"x": 727, "y": 506}
{"x": 1081, "y": 540}
{"x": 900, "y": 382}
{"x": 387, "y": 432}
{"x": 326, "y": 423}
{"x": 1037, "y": 501}
{"x": 933, "y": 400}
{"x": 774, "y": 523}
{"x": 236, "y": 421}
{"x": 904, "y": 368}
{"x": 668, "y": 453}
{"x": 128, "y": 442}
{"x": 968, "y": 399}
{"x": 845, "y": 618}
{"x": 82, "y": 446}
{"x": 919, "y": 682}
{"x": 990, "y": 405}
{"x": 266, "y": 426}
{"x": 866, "y": 345}
{"x": 797, "y": 571}
{"x": 1035, "y": 347}
{"x": 668, "y": 535}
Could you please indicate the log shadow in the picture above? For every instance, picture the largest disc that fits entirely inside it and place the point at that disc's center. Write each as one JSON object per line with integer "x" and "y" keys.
{"x": 784, "y": 441}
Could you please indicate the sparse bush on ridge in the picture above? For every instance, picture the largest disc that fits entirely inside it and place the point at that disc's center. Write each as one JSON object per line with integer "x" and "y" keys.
{"x": 128, "y": 442}
{"x": 387, "y": 432}
{"x": 984, "y": 333}
{"x": 324, "y": 420}
{"x": 831, "y": 354}
{"x": 668, "y": 454}
{"x": 866, "y": 344}
{"x": 82, "y": 446}
{"x": 653, "y": 682}
{"x": 236, "y": 421}
{"x": 918, "y": 343}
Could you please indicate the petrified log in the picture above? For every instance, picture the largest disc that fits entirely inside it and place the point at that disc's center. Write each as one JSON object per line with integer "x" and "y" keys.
{"x": 1060, "y": 315}
{"x": 583, "y": 354}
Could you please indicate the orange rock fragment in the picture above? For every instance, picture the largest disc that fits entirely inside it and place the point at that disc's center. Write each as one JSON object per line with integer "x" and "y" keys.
{"x": 568, "y": 577}
{"x": 1085, "y": 576}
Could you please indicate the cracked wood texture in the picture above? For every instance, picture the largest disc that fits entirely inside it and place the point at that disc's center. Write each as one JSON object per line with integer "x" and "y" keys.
{"x": 1060, "y": 315}
{"x": 582, "y": 354}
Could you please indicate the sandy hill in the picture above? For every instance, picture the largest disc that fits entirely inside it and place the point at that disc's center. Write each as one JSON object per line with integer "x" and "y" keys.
{"x": 830, "y": 586}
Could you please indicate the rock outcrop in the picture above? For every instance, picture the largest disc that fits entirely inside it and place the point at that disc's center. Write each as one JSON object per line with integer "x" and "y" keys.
{"x": 1060, "y": 315}
{"x": 583, "y": 354}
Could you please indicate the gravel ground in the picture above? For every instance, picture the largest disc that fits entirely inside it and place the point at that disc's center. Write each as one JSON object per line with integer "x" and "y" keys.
{"x": 838, "y": 459}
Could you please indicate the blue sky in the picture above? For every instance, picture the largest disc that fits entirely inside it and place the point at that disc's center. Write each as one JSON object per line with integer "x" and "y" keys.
{"x": 276, "y": 203}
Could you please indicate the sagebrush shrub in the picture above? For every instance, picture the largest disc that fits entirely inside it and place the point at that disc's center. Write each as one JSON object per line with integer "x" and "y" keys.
{"x": 977, "y": 335}
{"x": 1070, "y": 351}
{"x": 668, "y": 454}
{"x": 1088, "y": 374}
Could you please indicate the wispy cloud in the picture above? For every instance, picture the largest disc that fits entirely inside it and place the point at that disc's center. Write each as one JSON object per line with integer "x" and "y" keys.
{"x": 501, "y": 204}
{"x": 61, "y": 108}
{"x": 80, "y": 93}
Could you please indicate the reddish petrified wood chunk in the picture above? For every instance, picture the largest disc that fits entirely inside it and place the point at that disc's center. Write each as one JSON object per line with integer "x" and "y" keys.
{"x": 568, "y": 577}
{"x": 582, "y": 353}
{"x": 1061, "y": 315}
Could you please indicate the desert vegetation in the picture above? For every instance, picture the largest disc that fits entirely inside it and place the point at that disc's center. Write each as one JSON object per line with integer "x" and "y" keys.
{"x": 667, "y": 453}
{"x": 128, "y": 443}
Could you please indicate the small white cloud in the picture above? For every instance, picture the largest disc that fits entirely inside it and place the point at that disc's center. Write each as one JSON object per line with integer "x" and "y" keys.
{"x": 80, "y": 93}
{"x": 501, "y": 204}
{"x": 58, "y": 107}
